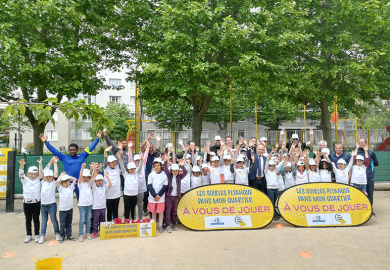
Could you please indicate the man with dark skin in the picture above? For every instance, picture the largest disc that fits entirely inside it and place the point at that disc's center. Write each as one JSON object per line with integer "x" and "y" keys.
{"x": 72, "y": 162}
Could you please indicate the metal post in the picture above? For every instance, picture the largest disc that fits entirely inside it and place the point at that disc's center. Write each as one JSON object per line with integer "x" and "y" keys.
{"x": 267, "y": 134}
{"x": 376, "y": 136}
{"x": 368, "y": 137}
{"x": 161, "y": 140}
{"x": 256, "y": 117}
{"x": 356, "y": 124}
{"x": 231, "y": 112}
{"x": 137, "y": 116}
{"x": 336, "y": 137}
{"x": 10, "y": 192}
{"x": 304, "y": 120}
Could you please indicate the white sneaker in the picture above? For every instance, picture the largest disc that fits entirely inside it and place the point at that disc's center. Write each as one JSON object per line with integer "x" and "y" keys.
{"x": 58, "y": 237}
{"x": 28, "y": 239}
{"x": 41, "y": 239}
{"x": 81, "y": 238}
{"x": 36, "y": 238}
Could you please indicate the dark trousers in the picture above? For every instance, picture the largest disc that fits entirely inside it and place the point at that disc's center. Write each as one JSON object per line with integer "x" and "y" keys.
{"x": 98, "y": 216}
{"x": 112, "y": 206}
{"x": 130, "y": 203}
{"x": 146, "y": 197}
{"x": 32, "y": 212}
{"x": 260, "y": 184}
{"x": 123, "y": 187}
{"x": 370, "y": 190}
{"x": 66, "y": 218}
{"x": 170, "y": 210}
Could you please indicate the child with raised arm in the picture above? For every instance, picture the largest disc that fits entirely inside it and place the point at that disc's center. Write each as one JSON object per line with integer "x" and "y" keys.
{"x": 241, "y": 173}
{"x": 186, "y": 180}
{"x": 288, "y": 173}
{"x": 157, "y": 185}
{"x": 85, "y": 202}
{"x": 31, "y": 199}
{"x": 341, "y": 171}
{"x": 173, "y": 192}
{"x": 325, "y": 169}
{"x": 205, "y": 175}
{"x": 48, "y": 198}
{"x": 99, "y": 189}
{"x": 302, "y": 173}
{"x": 225, "y": 163}
{"x": 65, "y": 205}
{"x": 113, "y": 195}
{"x": 359, "y": 175}
{"x": 314, "y": 175}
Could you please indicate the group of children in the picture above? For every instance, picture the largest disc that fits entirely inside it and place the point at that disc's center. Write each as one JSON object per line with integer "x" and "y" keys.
{"x": 169, "y": 180}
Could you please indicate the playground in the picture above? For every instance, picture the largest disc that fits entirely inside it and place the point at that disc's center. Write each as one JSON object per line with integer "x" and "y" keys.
{"x": 362, "y": 247}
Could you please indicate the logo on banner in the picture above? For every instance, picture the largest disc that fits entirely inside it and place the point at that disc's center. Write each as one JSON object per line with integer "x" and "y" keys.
{"x": 216, "y": 222}
{"x": 239, "y": 220}
{"x": 318, "y": 219}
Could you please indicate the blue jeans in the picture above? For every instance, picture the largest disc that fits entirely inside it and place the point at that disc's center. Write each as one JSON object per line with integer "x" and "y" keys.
{"x": 49, "y": 209}
{"x": 66, "y": 218}
{"x": 85, "y": 218}
{"x": 272, "y": 195}
{"x": 360, "y": 187}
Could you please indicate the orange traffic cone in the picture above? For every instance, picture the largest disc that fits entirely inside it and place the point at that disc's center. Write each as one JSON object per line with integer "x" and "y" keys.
{"x": 305, "y": 254}
{"x": 52, "y": 243}
{"x": 8, "y": 255}
{"x": 279, "y": 226}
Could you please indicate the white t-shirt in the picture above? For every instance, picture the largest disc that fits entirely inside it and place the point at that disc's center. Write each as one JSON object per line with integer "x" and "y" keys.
{"x": 131, "y": 184}
{"x": 359, "y": 175}
{"x": 241, "y": 176}
{"x": 314, "y": 177}
{"x": 158, "y": 180}
{"x": 342, "y": 176}
{"x": 281, "y": 185}
{"x": 174, "y": 186}
{"x": 289, "y": 179}
{"x": 215, "y": 175}
{"x": 301, "y": 178}
{"x": 272, "y": 179}
{"x": 196, "y": 181}
{"x": 85, "y": 195}
{"x": 326, "y": 176}
{"x": 228, "y": 175}
{"x": 99, "y": 196}
{"x": 205, "y": 179}
{"x": 114, "y": 191}
{"x": 48, "y": 192}
{"x": 31, "y": 188}
{"x": 186, "y": 181}
{"x": 141, "y": 179}
{"x": 66, "y": 198}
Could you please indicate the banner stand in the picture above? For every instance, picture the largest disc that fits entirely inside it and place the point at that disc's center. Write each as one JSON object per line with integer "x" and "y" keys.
{"x": 10, "y": 191}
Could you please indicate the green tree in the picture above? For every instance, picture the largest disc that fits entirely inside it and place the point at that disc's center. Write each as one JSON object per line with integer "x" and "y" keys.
{"x": 118, "y": 113}
{"x": 377, "y": 116}
{"x": 194, "y": 50}
{"x": 347, "y": 55}
{"x": 51, "y": 50}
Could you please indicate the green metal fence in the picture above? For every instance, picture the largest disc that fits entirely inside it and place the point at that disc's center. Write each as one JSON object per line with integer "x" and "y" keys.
{"x": 382, "y": 173}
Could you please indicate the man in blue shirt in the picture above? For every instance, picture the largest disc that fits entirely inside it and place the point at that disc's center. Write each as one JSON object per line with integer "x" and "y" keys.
{"x": 339, "y": 154}
{"x": 73, "y": 161}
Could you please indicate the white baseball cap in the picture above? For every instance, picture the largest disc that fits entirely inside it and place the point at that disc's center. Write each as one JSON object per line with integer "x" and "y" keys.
{"x": 288, "y": 165}
{"x": 300, "y": 163}
{"x": 242, "y": 149}
{"x": 359, "y": 157}
{"x": 215, "y": 158}
{"x": 263, "y": 139}
{"x": 137, "y": 157}
{"x": 265, "y": 154}
{"x": 286, "y": 154}
{"x": 295, "y": 136}
{"x": 325, "y": 150}
{"x": 204, "y": 165}
{"x": 131, "y": 165}
{"x": 227, "y": 157}
{"x": 188, "y": 156}
{"x": 240, "y": 159}
{"x": 312, "y": 162}
{"x": 271, "y": 162}
{"x": 157, "y": 160}
{"x": 99, "y": 177}
{"x": 48, "y": 173}
{"x": 111, "y": 159}
{"x": 212, "y": 154}
{"x": 198, "y": 158}
{"x": 32, "y": 169}
{"x": 169, "y": 145}
{"x": 324, "y": 160}
{"x": 175, "y": 167}
{"x": 86, "y": 172}
{"x": 341, "y": 161}
{"x": 196, "y": 169}
{"x": 65, "y": 177}
{"x": 217, "y": 138}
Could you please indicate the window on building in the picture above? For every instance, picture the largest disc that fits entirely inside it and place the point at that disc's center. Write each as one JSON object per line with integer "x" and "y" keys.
{"x": 132, "y": 100}
{"x": 55, "y": 116}
{"x": 116, "y": 99}
{"x": 87, "y": 99}
{"x": 115, "y": 82}
{"x": 205, "y": 134}
{"x": 298, "y": 120}
{"x": 183, "y": 135}
{"x": 52, "y": 135}
{"x": 167, "y": 134}
{"x": 132, "y": 84}
{"x": 241, "y": 133}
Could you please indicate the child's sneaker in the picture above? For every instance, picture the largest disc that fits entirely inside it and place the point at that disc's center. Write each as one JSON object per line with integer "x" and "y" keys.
{"x": 41, "y": 239}
{"x": 81, "y": 238}
{"x": 58, "y": 237}
{"x": 71, "y": 238}
{"x": 160, "y": 229}
{"x": 94, "y": 235}
{"x": 28, "y": 239}
{"x": 36, "y": 238}
{"x": 61, "y": 240}
{"x": 89, "y": 237}
{"x": 175, "y": 228}
{"x": 169, "y": 229}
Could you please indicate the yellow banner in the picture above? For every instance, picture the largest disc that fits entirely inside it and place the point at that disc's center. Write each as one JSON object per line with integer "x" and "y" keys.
{"x": 3, "y": 171}
{"x": 324, "y": 205}
{"x": 225, "y": 206}
{"x": 117, "y": 231}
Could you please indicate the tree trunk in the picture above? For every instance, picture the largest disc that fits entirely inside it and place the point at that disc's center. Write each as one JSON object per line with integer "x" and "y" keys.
{"x": 38, "y": 144}
{"x": 199, "y": 110}
{"x": 274, "y": 126}
{"x": 325, "y": 124}
{"x": 222, "y": 126}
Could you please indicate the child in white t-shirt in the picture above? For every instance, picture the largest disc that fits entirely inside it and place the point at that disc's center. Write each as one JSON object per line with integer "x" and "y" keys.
{"x": 301, "y": 176}
{"x": 359, "y": 174}
{"x": 225, "y": 163}
{"x": 341, "y": 172}
{"x": 241, "y": 173}
{"x": 313, "y": 172}
{"x": 157, "y": 185}
{"x": 196, "y": 179}
{"x": 48, "y": 198}
{"x": 99, "y": 189}
{"x": 270, "y": 171}
{"x": 326, "y": 169}
{"x": 65, "y": 205}
{"x": 289, "y": 172}
{"x": 205, "y": 175}
{"x": 186, "y": 181}
{"x": 85, "y": 202}
{"x": 31, "y": 199}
